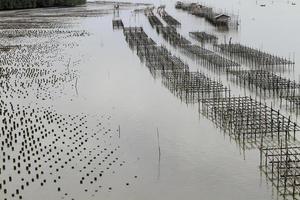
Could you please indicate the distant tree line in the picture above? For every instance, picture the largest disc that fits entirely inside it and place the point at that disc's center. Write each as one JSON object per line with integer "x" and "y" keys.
{"x": 21, "y": 4}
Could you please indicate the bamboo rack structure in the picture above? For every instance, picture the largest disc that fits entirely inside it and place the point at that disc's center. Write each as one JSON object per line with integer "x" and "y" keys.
{"x": 117, "y": 24}
{"x": 281, "y": 166}
{"x": 208, "y": 58}
{"x": 245, "y": 115}
{"x": 264, "y": 81}
{"x": 175, "y": 74}
{"x": 193, "y": 86}
{"x": 171, "y": 21}
{"x": 153, "y": 19}
{"x": 269, "y": 84}
{"x": 292, "y": 101}
{"x": 253, "y": 57}
{"x": 170, "y": 34}
{"x": 204, "y": 37}
{"x": 260, "y": 79}
{"x": 251, "y": 123}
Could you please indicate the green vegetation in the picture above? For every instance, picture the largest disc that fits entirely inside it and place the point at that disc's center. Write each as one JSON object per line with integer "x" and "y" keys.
{"x": 21, "y": 4}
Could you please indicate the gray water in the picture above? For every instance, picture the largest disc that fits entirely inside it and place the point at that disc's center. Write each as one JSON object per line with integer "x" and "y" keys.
{"x": 198, "y": 161}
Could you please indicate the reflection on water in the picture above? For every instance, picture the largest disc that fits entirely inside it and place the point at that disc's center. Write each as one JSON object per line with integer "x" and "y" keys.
{"x": 81, "y": 116}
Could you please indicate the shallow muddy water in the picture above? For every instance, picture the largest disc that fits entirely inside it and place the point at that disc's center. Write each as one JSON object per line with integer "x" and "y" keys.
{"x": 93, "y": 123}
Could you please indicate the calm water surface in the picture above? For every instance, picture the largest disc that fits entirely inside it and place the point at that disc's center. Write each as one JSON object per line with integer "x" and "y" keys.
{"x": 198, "y": 161}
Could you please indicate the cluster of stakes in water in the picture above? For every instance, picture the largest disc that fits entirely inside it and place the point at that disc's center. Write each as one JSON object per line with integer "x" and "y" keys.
{"x": 34, "y": 61}
{"x": 44, "y": 150}
{"x": 16, "y": 24}
{"x": 251, "y": 123}
{"x": 48, "y": 33}
{"x": 28, "y": 71}
{"x": 53, "y": 16}
{"x": 41, "y": 147}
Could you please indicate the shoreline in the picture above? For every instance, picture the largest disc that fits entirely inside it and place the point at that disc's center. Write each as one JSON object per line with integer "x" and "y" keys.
{"x": 65, "y": 4}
